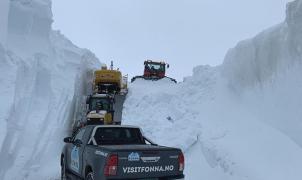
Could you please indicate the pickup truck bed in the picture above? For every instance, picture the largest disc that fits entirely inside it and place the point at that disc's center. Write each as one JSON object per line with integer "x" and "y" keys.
{"x": 119, "y": 158}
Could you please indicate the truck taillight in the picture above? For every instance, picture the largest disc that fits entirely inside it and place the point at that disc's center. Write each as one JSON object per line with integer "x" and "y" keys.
{"x": 181, "y": 162}
{"x": 111, "y": 166}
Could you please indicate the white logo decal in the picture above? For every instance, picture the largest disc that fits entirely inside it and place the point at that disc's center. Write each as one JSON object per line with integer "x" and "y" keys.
{"x": 133, "y": 157}
{"x": 151, "y": 169}
{"x": 75, "y": 160}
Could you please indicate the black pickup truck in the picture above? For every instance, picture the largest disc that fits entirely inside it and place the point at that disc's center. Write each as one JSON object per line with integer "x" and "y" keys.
{"x": 118, "y": 152}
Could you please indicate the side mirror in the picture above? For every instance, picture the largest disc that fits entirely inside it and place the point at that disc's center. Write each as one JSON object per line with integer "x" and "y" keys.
{"x": 78, "y": 143}
{"x": 68, "y": 140}
{"x": 168, "y": 66}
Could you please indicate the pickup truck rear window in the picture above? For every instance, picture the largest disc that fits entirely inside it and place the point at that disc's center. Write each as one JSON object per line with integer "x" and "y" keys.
{"x": 118, "y": 136}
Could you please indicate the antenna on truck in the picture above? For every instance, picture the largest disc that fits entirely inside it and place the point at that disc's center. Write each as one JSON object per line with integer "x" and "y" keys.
{"x": 111, "y": 66}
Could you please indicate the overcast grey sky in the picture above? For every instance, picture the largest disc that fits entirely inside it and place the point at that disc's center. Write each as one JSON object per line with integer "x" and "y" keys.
{"x": 185, "y": 33}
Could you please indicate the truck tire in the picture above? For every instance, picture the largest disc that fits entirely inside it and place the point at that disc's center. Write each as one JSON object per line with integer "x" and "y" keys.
{"x": 63, "y": 170}
{"x": 89, "y": 176}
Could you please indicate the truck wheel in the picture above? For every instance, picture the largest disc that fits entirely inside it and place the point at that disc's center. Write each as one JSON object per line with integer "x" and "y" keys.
{"x": 63, "y": 170}
{"x": 89, "y": 176}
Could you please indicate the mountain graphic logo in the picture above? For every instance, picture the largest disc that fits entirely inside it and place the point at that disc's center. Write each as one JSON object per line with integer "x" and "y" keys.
{"x": 133, "y": 156}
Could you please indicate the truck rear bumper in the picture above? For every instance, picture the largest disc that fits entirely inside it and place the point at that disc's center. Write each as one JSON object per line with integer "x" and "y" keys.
{"x": 180, "y": 177}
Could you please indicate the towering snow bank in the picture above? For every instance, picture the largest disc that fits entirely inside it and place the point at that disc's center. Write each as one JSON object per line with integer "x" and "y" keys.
{"x": 257, "y": 60}
{"x": 4, "y": 4}
{"x": 279, "y": 102}
{"x": 272, "y": 63}
{"x": 221, "y": 137}
{"x": 29, "y": 22}
{"x": 41, "y": 78}
{"x": 241, "y": 120}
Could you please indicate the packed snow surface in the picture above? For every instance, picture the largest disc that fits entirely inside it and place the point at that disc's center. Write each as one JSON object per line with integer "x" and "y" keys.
{"x": 222, "y": 134}
{"x": 238, "y": 121}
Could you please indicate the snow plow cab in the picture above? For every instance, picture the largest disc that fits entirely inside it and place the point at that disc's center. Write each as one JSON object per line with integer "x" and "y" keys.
{"x": 154, "y": 71}
{"x": 109, "y": 81}
{"x": 100, "y": 109}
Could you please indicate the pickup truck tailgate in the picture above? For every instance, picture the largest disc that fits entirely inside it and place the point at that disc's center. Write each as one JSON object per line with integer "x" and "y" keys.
{"x": 146, "y": 161}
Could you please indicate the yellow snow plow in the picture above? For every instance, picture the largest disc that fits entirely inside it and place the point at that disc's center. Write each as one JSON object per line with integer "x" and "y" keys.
{"x": 109, "y": 81}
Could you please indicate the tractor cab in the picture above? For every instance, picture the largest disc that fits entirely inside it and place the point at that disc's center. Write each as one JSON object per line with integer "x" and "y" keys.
{"x": 99, "y": 109}
{"x": 155, "y": 69}
{"x": 100, "y": 103}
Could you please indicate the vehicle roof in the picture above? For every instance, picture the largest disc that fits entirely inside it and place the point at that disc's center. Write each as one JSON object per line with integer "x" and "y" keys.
{"x": 108, "y": 71}
{"x": 155, "y": 62}
{"x": 113, "y": 126}
{"x": 102, "y": 96}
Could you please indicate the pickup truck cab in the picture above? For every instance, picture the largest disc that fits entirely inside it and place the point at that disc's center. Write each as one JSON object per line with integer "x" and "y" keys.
{"x": 112, "y": 152}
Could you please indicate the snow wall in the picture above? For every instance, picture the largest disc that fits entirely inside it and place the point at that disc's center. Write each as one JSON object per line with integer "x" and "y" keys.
{"x": 42, "y": 76}
{"x": 254, "y": 61}
{"x": 271, "y": 64}
{"x": 240, "y": 120}
{"x": 4, "y": 4}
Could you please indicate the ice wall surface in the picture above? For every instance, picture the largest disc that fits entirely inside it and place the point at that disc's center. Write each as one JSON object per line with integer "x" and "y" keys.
{"x": 271, "y": 62}
{"x": 41, "y": 75}
{"x": 256, "y": 60}
{"x": 4, "y": 4}
{"x": 29, "y": 22}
